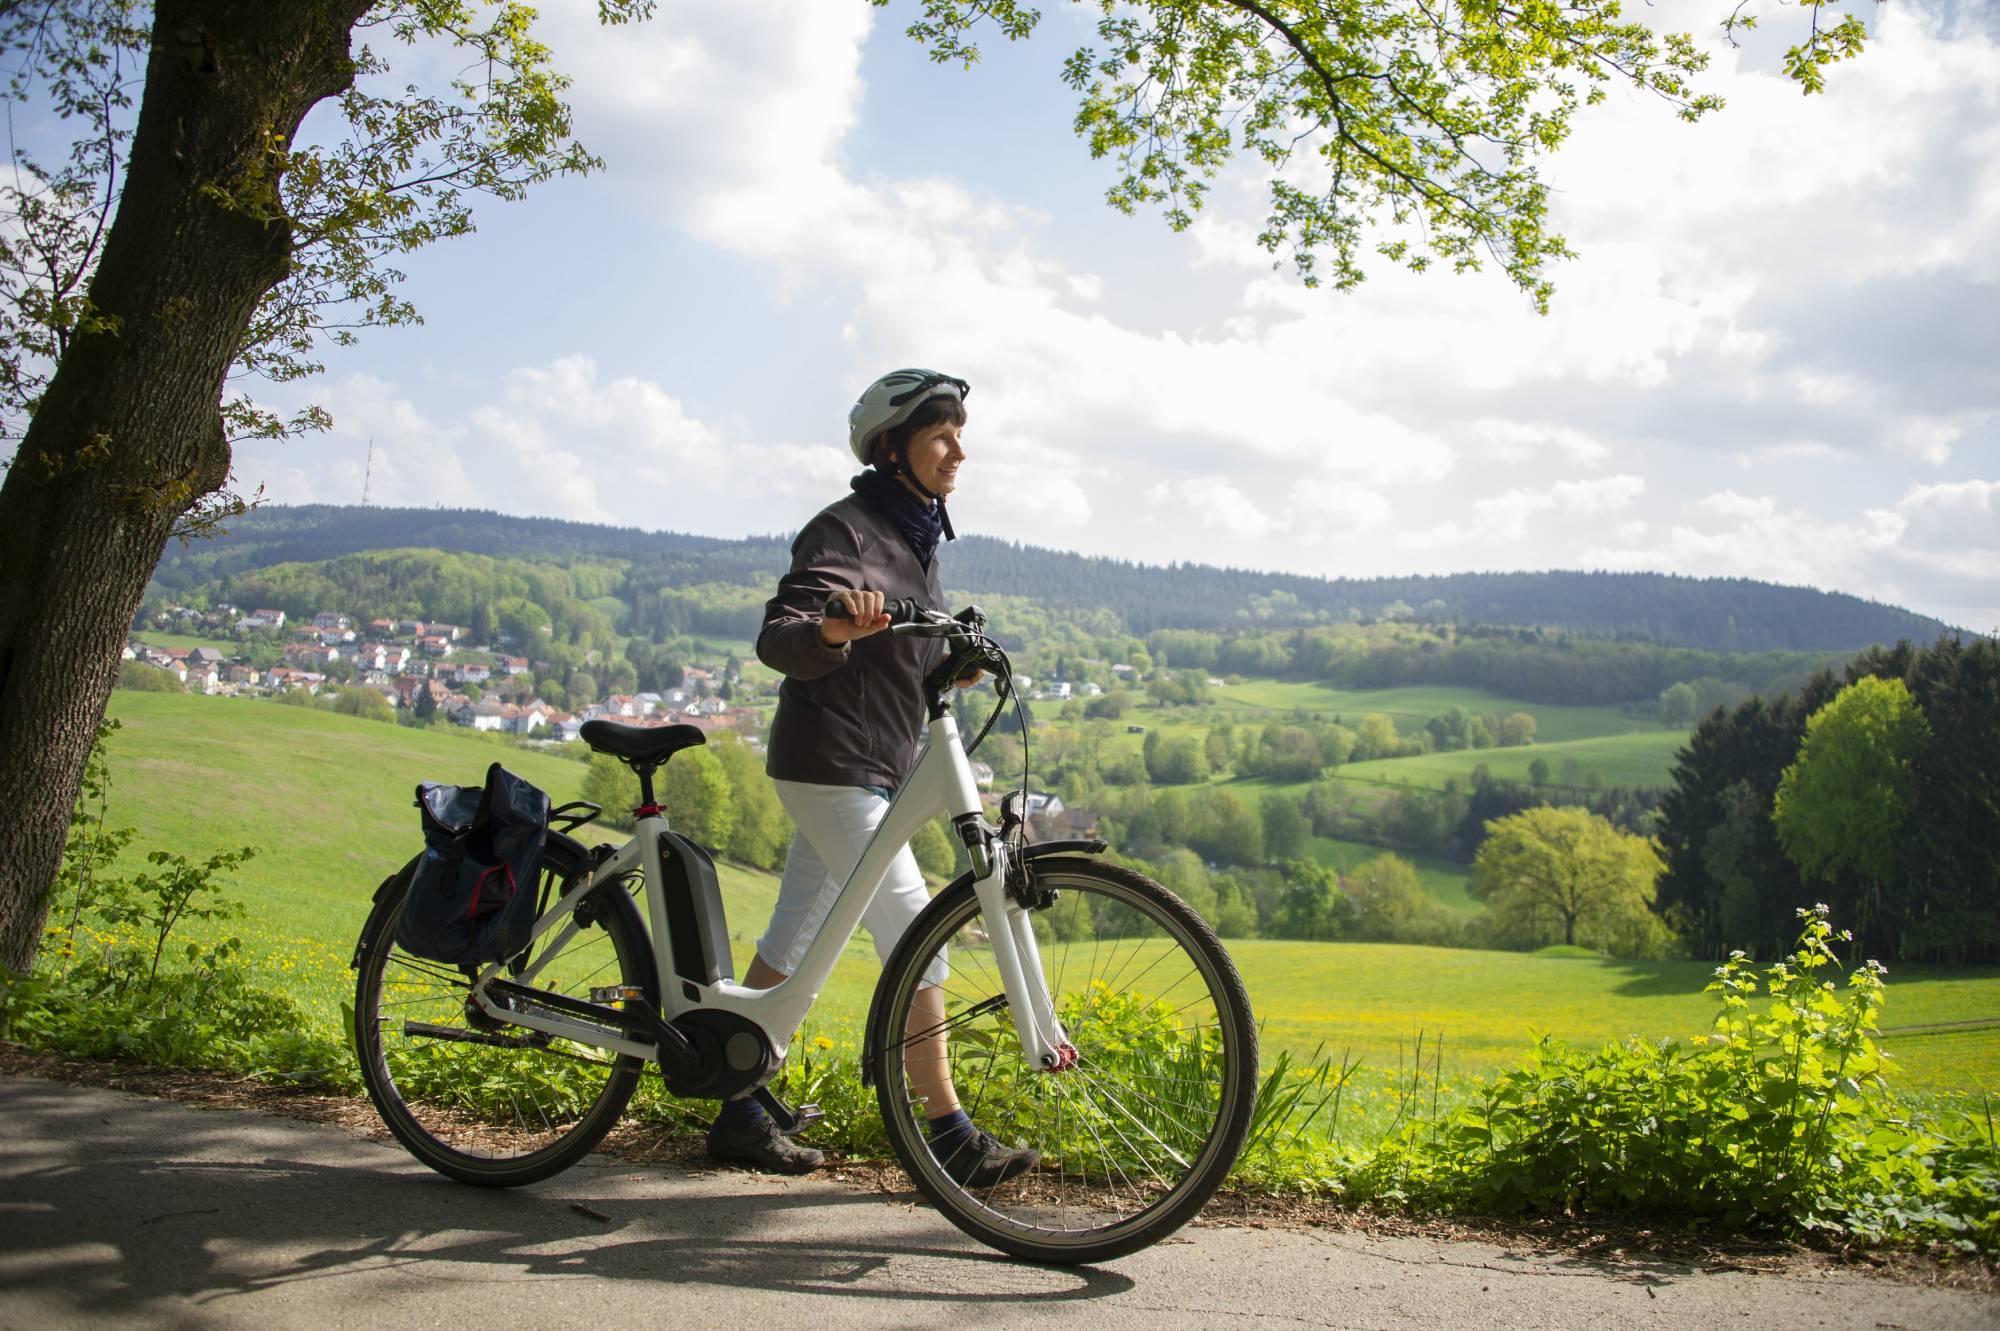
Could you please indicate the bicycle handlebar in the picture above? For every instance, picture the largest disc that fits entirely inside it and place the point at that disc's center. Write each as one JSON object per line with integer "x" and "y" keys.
{"x": 901, "y": 611}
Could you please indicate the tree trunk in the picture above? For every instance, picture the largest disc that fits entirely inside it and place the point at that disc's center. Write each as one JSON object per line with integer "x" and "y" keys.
{"x": 129, "y": 435}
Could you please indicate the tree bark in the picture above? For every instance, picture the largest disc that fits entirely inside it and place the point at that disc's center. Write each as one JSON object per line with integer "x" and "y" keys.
{"x": 129, "y": 435}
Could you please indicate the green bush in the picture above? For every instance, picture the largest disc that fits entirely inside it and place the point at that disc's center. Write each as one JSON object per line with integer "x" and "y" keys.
{"x": 1777, "y": 1119}
{"x": 112, "y": 980}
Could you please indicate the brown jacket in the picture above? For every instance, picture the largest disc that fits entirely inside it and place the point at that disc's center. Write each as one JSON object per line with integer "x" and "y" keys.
{"x": 850, "y": 715}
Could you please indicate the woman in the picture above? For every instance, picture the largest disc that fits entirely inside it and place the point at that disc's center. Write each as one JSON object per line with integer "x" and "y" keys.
{"x": 850, "y": 714}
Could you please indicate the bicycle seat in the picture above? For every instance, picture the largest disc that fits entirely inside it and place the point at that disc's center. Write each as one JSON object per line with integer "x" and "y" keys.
{"x": 650, "y": 745}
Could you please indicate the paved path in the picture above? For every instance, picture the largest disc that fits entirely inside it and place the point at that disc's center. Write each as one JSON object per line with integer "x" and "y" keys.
{"x": 119, "y": 1211}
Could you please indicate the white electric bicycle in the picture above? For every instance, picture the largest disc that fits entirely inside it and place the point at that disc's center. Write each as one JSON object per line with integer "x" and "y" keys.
{"x": 1089, "y": 1012}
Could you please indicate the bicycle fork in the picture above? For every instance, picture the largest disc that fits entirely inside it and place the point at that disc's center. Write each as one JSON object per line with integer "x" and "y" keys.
{"x": 1010, "y": 931}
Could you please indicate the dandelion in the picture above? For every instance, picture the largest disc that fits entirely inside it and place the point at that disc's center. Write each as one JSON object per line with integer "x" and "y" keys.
{"x": 821, "y": 1042}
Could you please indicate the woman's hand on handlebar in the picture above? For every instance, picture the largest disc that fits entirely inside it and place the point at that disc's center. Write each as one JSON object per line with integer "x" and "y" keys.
{"x": 865, "y": 616}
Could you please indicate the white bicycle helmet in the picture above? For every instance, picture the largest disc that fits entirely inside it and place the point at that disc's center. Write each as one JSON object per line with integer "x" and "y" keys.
{"x": 891, "y": 400}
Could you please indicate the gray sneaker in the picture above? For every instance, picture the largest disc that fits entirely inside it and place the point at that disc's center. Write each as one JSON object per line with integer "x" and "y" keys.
{"x": 761, "y": 1146}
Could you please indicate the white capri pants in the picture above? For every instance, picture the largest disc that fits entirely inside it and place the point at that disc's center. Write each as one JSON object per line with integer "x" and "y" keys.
{"x": 834, "y": 825}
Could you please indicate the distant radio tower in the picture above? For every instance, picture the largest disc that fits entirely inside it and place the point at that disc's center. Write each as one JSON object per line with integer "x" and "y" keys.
{"x": 368, "y": 472}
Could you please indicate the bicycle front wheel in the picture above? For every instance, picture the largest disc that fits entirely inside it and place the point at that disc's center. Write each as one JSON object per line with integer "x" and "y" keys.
{"x": 1133, "y": 1138}
{"x": 482, "y": 1101}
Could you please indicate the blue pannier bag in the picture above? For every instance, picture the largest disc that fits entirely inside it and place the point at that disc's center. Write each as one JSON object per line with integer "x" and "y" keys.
{"x": 472, "y": 894}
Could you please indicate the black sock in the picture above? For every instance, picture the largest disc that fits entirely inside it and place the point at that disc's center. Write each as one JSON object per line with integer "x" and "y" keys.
{"x": 950, "y": 1131}
{"x": 742, "y": 1112}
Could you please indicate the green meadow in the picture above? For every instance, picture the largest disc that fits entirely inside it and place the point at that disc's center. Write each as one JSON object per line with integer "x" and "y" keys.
{"x": 1445, "y": 879}
{"x": 1640, "y": 759}
{"x": 182, "y": 640}
{"x": 1412, "y": 705}
{"x": 326, "y": 800}
{"x": 1625, "y": 750}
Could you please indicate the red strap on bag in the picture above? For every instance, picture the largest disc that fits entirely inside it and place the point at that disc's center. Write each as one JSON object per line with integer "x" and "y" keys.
{"x": 479, "y": 887}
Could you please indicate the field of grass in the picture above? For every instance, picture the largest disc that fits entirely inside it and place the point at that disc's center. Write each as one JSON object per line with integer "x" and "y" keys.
{"x": 1444, "y": 879}
{"x": 1642, "y": 759}
{"x": 1409, "y": 707}
{"x": 1626, "y": 750}
{"x": 326, "y": 799}
{"x": 156, "y": 639}
{"x": 1372, "y": 999}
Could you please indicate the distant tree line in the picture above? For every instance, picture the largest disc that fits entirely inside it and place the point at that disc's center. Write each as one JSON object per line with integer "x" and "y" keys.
{"x": 1716, "y": 614}
{"x": 1876, "y": 791}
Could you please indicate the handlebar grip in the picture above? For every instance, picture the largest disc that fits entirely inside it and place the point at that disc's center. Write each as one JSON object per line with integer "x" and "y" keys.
{"x": 900, "y": 611}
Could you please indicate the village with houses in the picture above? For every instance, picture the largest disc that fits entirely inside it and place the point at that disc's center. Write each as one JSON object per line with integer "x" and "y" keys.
{"x": 431, "y": 672}
{"x": 423, "y": 668}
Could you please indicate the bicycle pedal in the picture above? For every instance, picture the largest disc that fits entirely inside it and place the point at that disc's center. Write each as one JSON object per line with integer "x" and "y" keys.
{"x": 617, "y": 993}
{"x": 788, "y": 1119}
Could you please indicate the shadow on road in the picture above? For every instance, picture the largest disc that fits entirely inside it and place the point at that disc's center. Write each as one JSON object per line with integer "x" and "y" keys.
{"x": 96, "y": 1216}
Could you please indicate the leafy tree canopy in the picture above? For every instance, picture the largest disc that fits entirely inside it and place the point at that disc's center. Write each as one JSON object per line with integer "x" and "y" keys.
{"x": 1410, "y": 128}
{"x": 1550, "y": 874}
{"x": 1842, "y": 804}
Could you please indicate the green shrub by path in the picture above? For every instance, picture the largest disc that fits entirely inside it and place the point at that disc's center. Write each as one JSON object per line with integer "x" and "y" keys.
{"x": 1779, "y": 1117}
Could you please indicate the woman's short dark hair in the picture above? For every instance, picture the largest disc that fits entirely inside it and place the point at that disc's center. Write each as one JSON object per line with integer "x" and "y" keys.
{"x": 929, "y": 412}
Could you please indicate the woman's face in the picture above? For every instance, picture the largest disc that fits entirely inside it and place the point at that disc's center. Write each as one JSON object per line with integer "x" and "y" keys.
{"x": 935, "y": 453}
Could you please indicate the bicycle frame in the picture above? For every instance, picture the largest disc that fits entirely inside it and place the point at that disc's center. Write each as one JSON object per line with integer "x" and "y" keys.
{"x": 941, "y": 782}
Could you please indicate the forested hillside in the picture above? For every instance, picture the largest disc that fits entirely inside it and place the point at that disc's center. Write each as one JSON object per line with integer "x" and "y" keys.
{"x": 1713, "y": 614}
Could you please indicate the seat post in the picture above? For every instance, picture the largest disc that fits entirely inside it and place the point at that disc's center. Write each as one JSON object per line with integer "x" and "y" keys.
{"x": 645, "y": 771}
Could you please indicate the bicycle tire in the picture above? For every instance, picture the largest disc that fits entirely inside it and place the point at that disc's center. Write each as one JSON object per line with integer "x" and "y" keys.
{"x": 1164, "y": 1086}
{"x": 483, "y": 1114}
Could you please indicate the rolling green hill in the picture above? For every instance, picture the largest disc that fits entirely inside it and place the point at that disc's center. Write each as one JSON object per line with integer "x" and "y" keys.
{"x": 326, "y": 799}
{"x": 1717, "y": 614}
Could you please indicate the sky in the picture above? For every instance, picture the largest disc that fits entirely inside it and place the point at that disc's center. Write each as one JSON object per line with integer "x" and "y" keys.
{"x": 1777, "y": 356}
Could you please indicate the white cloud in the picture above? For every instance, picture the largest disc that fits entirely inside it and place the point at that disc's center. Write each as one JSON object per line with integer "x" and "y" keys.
{"x": 1327, "y": 508}
{"x": 1606, "y": 494}
{"x": 1789, "y": 452}
{"x": 1214, "y": 503}
{"x": 1729, "y": 504}
{"x": 1513, "y": 514}
{"x": 1953, "y": 527}
{"x": 1519, "y": 441}
{"x": 1506, "y": 516}
{"x": 1939, "y": 542}
{"x": 563, "y": 442}
{"x": 1929, "y": 437}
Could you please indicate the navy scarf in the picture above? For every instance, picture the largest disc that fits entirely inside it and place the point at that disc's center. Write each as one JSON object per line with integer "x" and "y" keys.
{"x": 921, "y": 521}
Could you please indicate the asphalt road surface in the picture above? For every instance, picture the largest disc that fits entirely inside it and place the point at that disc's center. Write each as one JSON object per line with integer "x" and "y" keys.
{"x": 119, "y": 1211}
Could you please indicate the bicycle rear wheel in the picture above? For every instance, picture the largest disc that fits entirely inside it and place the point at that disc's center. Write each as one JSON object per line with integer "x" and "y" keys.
{"x": 1140, "y": 1132}
{"x": 478, "y": 1100}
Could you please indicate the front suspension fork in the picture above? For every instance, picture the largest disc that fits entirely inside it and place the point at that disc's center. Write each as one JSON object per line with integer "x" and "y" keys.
{"x": 1010, "y": 930}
